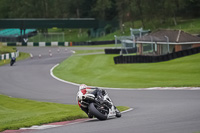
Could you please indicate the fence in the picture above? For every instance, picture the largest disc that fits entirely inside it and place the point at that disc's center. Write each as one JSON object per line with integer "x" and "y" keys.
{"x": 126, "y": 44}
{"x": 93, "y": 43}
{"x": 57, "y": 43}
{"x": 48, "y": 37}
{"x": 9, "y": 55}
{"x": 151, "y": 59}
{"x": 35, "y": 37}
{"x": 40, "y": 44}
{"x": 123, "y": 45}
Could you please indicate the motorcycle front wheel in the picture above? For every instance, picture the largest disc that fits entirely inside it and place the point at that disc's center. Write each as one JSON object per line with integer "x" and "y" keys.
{"x": 96, "y": 110}
{"x": 12, "y": 62}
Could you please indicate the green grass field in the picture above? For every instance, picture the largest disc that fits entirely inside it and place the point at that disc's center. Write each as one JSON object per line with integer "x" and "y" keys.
{"x": 16, "y": 113}
{"x": 191, "y": 26}
{"x": 100, "y": 70}
{"x": 4, "y": 49}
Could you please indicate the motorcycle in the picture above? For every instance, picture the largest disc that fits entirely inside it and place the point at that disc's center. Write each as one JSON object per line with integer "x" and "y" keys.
{"x": 101, "y": 107}
{"x": 12, "y": 61}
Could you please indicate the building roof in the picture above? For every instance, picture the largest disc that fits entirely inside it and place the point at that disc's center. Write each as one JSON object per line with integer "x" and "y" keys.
{"x": 169, "y": 36}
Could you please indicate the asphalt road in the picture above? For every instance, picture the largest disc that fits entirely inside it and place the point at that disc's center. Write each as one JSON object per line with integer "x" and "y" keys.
{"x": 155, "y": 111}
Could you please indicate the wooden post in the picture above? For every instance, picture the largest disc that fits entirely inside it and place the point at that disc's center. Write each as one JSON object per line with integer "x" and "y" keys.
{"x": 140, "y": 49}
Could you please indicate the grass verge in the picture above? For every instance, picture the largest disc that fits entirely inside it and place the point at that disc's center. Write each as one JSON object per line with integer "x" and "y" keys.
{"x": 4, "y": 49}
{"x": 22, "y": 56}
{"x": 78, "y": 52}
{"x": 100, "y": 70}
{"x": 16, "y": 112}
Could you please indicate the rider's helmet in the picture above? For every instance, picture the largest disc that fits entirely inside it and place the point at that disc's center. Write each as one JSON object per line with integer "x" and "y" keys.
{"x": 82, "y": 86}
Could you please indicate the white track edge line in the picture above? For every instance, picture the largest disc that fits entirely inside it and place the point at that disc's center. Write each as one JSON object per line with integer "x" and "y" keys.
{"x": 51, "y": 73}
{"x": 128, "y": 110}
{"x": 31, "y": 55}
{"x": 125, "y": 89}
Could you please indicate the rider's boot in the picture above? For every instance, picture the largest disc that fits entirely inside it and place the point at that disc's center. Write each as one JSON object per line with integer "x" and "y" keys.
{"x": 118, "y": 113}
{"x": 90, "y": 115}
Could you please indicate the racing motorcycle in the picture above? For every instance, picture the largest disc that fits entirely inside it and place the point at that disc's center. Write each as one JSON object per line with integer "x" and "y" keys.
{"x": 101, "y": 107}
{"x": 12, "y": 61}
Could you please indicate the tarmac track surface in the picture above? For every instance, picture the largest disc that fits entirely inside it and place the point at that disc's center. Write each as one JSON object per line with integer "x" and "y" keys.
{"x": 155, "y": 111}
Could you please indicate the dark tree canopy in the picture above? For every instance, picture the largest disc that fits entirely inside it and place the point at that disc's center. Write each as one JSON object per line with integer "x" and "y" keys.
{"x": 122, "y": 10}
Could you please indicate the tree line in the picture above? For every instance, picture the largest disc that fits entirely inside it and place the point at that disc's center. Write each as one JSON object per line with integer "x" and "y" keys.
{"x": 155, "y": 11}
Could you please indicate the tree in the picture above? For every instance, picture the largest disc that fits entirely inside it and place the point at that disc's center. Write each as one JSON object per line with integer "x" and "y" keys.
{"x": 60, "y": 9}
{"x": 147, "y": 11}
{"x": 191, "y": 8}
{"x": 101, "y": 8}
{"x": 4, "y": 9}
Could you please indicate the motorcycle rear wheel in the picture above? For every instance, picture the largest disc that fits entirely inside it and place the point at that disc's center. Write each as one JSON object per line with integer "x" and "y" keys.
{"x": 93, "y": 110}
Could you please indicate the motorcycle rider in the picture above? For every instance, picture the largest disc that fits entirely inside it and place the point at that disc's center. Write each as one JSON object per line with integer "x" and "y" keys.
{"x": 12, "y": 61}
{"x": 97, "y": 92}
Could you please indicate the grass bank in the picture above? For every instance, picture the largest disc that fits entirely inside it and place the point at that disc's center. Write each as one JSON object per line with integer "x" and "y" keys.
{"x": 22, "y": 56}
{"x": 100, "y": 70}
{"x": 5, "y": 50}
{"x": 16, "y": 113}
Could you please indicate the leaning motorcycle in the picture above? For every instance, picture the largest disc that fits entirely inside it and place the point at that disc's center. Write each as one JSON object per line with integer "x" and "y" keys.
{"x": 102, "y": 107}
{"x": 12, "y": 61}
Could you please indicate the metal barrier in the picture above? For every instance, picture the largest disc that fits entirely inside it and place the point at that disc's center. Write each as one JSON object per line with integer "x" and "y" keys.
{"x": 119, "y": 50}
{"x": 9, "y": 55}
{"x": 92, "y": 43}
{"x": 151, "y": 59}
{"x": 40, "y": 44}
{"x": 58, "y": 43}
